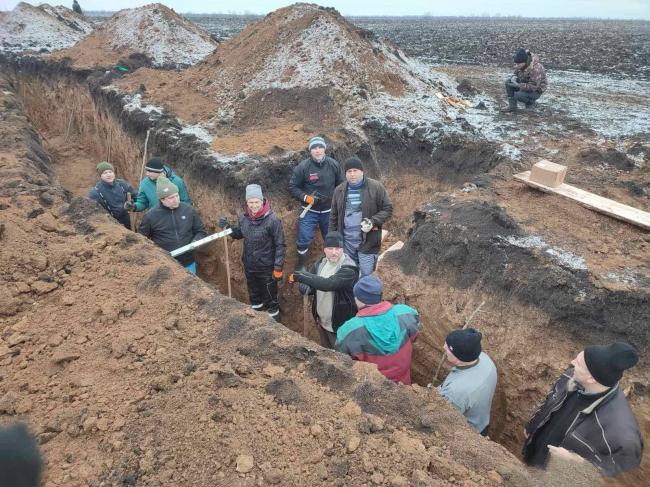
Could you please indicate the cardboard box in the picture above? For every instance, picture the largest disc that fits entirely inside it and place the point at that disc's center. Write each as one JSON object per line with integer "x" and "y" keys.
{"x": 548, "y": 173}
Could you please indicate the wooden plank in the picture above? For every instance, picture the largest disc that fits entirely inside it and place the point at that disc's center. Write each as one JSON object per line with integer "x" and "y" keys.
{"x": 593, "y": 201}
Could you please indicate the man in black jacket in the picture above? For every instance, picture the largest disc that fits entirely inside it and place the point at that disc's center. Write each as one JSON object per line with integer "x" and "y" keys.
{"x": 586, "y": 416}
{"x": 331, "y": 281}
{"x": 264, "y": 250}
{"x": 111, "y": 193}
{"x": 173, "y": 224}
{"x": 360, "y": 206}
{"x": 312, "y": 183}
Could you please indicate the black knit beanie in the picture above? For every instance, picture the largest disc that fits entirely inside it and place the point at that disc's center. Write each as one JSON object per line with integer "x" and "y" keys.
{"x": 465, "y": 344}
{"x": 606, "y": 363}
{"x": 521, "y": 56}
{"x": 333, "y": 239}
{"x": 155, "y": 164}
{"x": 353, "y": 163}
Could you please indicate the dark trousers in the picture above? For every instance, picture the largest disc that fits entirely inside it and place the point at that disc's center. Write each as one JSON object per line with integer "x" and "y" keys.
{"x": 262, "y": 290}
{"x": 526, "y": 97}
{"x": 124, "y": 219}
{"x": 327, "y": 338}
{"x": 307, "y": 228}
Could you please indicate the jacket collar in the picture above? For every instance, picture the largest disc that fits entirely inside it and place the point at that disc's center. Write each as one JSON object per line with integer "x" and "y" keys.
{"x": 375, "y": 309}
{"x": 572, "y": 385}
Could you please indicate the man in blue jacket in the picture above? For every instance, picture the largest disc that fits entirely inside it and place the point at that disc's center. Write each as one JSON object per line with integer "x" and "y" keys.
{"x": 111, "y": 193}
{"x": 147, "y": 198}
{"x": 312, "y": 183}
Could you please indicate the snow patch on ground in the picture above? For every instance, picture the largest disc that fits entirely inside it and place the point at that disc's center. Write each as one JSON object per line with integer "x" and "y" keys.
{"x": 199, "y": 132}
{"x": 563, "y": 257}
{"x": 44, "y": 28}
{"x": 134, "y": 102}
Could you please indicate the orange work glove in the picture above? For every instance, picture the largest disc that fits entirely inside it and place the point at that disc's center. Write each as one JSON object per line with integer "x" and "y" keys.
{"x": 309, "y": 199}
{"x": 277, "y": 275}
{"x": 292, "y": 278}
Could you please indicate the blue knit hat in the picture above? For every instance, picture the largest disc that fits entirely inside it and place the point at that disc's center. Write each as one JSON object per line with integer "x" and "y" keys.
{"x": 368, "y": 290}
{"x": 317, "y": 142}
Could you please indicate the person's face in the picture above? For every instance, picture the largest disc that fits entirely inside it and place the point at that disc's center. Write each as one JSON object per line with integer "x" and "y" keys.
{"x": 354, "y": 175}
{"x": 108, "y": 176}
{"x": 581, "y": 372}
{"x": 152, "y": 175}
{"x": 254, "y": 204}
{"x": 333, "y": 254}
{"x": 520, "y": 66}
{"x": 318, "y": 152}
{"x": 172, "y": 201}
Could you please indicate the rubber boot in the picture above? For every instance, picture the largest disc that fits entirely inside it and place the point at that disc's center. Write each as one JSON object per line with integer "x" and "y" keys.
{"x": 512, "y": 106}
{"x": 302, "y": 260}
{"x": 274, "y": 313}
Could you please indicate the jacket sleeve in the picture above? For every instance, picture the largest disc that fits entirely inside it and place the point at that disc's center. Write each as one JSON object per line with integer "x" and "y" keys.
{"x": 343, "y": 278}
{"x": 182, "y": 191}
{"x": 93, "y": 194}
{"x": 279, "y": 243}
{"x": 296, "y": 182}
{"x": 459, "y": 403}
{"x": 145, "y": 226}
{"x": 236, "y": 230}
{"x": 340, "y": 176}
{"x": 198, "y": 230}
{"x": 141, "y": 200}
{"x": 304, "y": 288}
{"x": 536, "y": 76}
{"x": 334, "y": 212}
{"x": 386, "y": 206}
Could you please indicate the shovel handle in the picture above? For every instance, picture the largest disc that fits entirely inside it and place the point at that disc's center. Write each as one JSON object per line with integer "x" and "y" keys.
{"x": 307, "y": 208}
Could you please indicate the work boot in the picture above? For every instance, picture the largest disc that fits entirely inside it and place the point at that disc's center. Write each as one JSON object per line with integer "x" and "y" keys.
{"x": 512, "y": 106}
{"x": 302, "y": 260}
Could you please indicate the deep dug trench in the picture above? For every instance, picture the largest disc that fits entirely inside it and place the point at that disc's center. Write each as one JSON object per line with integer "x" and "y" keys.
{"x": 531, "y": 328}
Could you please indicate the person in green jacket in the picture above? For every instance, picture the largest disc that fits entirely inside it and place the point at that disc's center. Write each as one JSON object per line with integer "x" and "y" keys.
{"x": 147, "y": 198}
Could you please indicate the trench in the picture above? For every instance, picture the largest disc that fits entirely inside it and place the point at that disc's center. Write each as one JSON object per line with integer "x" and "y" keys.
{"x": 83, "y": 131}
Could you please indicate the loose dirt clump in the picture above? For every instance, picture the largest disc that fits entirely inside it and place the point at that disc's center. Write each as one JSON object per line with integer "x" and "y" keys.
{"x": 42, "y": 29}
{"x": 154, "y": 31}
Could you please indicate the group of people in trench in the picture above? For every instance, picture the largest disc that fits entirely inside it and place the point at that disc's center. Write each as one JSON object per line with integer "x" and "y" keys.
{"x": 585, "y": 417}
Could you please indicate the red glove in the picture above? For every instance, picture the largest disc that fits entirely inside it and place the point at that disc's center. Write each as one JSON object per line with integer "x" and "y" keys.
{"x": 277, "y": 275}
{"x": 309, "y": 199}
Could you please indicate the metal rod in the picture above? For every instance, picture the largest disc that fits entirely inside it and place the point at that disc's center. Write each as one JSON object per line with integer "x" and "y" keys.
{"x": 199, "y": 243}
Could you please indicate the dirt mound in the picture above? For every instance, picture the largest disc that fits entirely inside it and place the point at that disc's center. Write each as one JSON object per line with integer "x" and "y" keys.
{"x": 153, "y": 30}
{"x": 302, "y": 64}
{"x": 43, "y": 28}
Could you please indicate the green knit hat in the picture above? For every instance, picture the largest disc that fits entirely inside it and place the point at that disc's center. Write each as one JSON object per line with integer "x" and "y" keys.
{"x": 165, "y": 188}
{"x": 104, "y": 166}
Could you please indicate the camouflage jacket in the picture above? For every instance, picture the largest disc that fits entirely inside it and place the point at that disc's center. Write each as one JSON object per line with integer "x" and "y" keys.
{"x": 533, "y": 76}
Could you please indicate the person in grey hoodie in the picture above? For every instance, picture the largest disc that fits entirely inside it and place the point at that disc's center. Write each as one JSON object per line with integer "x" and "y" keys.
{"x": 470, "y": 384}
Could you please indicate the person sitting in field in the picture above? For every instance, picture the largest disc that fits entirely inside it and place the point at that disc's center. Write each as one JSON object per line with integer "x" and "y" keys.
{"x": 527, "y": 83}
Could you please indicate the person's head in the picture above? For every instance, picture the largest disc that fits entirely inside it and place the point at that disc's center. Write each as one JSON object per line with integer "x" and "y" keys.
{"x": 167, "y": 192}
{"x": 367, "y": 291}
{"x": 601, "y": 366}
{"x": 106, "y": 172}
{"x": 333, "y": 246}
{"x": 154, "y": 168}
{"x": 521, "y": 58}
{"x": 254, "y": 197}
{"x": 317, "y": 148}
{"x": 353, "y": 170}
{"x": 463, "y": 346}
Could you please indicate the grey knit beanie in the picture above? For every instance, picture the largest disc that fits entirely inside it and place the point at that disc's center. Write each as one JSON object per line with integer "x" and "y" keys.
{"x": 317, "y": 142}
{"x": 254, "y": 191}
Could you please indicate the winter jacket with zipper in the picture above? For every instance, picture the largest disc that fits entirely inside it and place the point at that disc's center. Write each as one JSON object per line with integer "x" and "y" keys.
{"x": 171, "y": 229}
{"x": 147, "y": 197}
{"x": 112, "y": 196}
{"x": 606, "y": 433}
{"x": 341, "y": 284}
{"x": 533, "y": 76}
{"x": 382, "y": 334}
{"x": 264, "y": 245}
{"x": 375, "y": 204}
{"x": 310, "y": 177}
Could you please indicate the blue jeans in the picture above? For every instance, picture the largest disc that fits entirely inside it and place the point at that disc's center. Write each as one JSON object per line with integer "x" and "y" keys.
{"x": 307, "y": 228}
{"x": 526, "y": 97}
{"x": 191, "y": 267}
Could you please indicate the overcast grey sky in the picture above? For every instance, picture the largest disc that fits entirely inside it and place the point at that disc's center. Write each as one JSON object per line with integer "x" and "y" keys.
{"x": 619, "y": 9}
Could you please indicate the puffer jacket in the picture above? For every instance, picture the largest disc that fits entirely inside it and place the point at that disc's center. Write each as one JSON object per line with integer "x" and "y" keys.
{"x": 606, "y": 433}
{"x": 264, "y": 244}
{"x": 147, "y": 197}
{"x": 171, "y": 229}
{"x": 311, "y": 177}
{"x": 533, "y": 76}
{"x": 375, "y": 204}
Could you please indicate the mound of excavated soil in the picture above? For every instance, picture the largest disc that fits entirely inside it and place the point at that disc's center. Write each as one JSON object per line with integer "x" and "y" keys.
{"x": 303, "y": 64}
{"x": 153, "y": 30}
{"x": 42, "y": 28}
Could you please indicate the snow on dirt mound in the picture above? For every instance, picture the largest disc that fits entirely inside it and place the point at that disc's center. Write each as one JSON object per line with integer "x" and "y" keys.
{"x": 153, "y": 30}
{"x": 42, "y": 28}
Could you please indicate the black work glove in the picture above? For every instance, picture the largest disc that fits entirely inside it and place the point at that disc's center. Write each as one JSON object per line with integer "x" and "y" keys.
{"x": 223, "y": 222}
